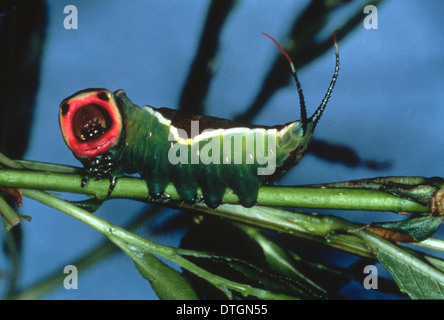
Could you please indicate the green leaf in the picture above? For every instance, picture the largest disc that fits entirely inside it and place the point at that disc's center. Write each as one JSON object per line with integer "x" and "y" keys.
{"x": 414, "y": 276}
{"x": 244, "y": 254}
{"x": 168, "y": 283}
{"x": 284, "y": 266}
{"x": 414, "y": 280}
{"x": 420, "y": 228}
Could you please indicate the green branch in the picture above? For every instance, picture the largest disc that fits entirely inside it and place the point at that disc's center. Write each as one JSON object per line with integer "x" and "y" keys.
{"x": 299, "y": 197}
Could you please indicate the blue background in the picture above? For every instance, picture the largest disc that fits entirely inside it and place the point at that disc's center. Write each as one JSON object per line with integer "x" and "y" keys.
{"x": 387, "y": 104}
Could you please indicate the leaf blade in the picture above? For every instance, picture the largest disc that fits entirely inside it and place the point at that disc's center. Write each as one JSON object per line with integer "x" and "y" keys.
{"x": 166, "y": 282}
{"x": 414, "y": 276}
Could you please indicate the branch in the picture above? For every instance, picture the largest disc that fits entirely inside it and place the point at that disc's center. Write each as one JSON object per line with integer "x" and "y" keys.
{"x": 298, "y": 197}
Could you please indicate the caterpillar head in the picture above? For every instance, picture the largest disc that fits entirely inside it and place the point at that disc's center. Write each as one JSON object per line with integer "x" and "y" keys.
{"x": 91, "y": 122}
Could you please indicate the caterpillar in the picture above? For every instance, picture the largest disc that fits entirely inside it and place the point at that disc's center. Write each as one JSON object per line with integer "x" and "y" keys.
{"x": 111, "y": 136}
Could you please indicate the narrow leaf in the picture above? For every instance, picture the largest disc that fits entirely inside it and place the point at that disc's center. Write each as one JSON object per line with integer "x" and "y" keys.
{"x": 283, "y": 264}
{"x": 420, "y": 228}
{"x": 415, "y": 277}
{"x": 168, "y": 283}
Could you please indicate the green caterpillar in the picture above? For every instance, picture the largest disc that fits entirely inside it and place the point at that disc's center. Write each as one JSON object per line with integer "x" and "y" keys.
{"x": 112, "y": 136}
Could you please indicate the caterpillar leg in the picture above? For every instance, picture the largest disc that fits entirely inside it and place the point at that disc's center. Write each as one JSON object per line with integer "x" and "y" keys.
{"x": 188, "y": 194}
{"x": 98, "y": 168}
{"x": 213, "y": 191}
{"x": 154, "y": 196}
{"x": 112, "y": 184}
{"x": 181, "y": 177}
{"x": 112, "y": 181}
{"x": 243, "y": 181}
{"x": 156, "y": 186}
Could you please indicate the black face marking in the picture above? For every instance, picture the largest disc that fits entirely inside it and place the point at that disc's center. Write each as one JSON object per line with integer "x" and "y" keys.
{"x": 102, "y": 96}
{"x": 65, "y": 108}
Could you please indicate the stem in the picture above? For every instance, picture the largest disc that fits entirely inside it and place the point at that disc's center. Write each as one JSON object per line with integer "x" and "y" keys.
{"x": 9, "y": 163}
{"x": 431, "y": 243}
{"x": 10, "y": 215}
{"x": 301, "y": 197}
{"x": 336, "y": 199}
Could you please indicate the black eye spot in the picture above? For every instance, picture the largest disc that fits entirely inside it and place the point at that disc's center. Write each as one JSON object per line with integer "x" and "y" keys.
{"x": 65, "y": 108}
{"x": 102, "y": 96}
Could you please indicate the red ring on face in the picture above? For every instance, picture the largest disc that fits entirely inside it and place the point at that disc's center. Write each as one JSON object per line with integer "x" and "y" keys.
{"x": 87, "y": 110}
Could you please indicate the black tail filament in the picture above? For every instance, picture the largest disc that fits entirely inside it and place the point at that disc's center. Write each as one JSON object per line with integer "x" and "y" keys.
{"x": 318, "y": 113}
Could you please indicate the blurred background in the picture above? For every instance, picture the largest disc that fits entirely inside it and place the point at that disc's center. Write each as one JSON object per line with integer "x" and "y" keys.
{"x": 386, "y": 108}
